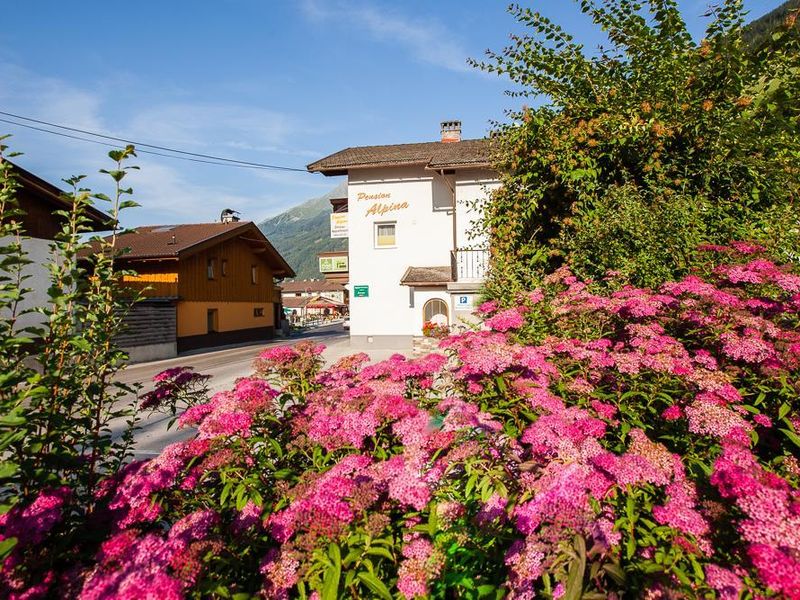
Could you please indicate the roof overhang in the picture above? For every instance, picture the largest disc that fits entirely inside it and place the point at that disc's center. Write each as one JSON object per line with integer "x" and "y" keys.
{"x": 427, "y": 277}
{"x": 98, "y": 220}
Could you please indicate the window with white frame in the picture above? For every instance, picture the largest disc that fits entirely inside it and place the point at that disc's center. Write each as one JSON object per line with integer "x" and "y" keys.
{"x": 386, "y": 235}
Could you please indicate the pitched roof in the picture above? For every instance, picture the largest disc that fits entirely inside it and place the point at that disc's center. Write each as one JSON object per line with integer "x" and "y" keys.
{"x": 55, "y": 197}
{"x": 427, "y": 276}
{"x": 311, "y": 302}
{"x": 433, "y": 155}
{"x": 181, "y": 241}
{"x": 311, "y": 286}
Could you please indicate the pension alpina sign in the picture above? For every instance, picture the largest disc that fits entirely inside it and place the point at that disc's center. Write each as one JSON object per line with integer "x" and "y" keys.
{"x": 381, "y": 208}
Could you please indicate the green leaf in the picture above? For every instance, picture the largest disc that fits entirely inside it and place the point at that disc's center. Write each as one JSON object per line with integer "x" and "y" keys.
{"x": 6, "y": 546}
{"x": 574, "y": 584}
{"x": 380, "y": 551}
{"x": 12, "y": 420}
{"x": 330, "y": 584}
{"x": 792, "y": 436}
{"x": 8, "y": 469}
{"x": 375, "y": 585}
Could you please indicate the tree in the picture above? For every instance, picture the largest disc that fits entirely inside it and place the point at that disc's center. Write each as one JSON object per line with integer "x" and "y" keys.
{"x": 645, "y": 148}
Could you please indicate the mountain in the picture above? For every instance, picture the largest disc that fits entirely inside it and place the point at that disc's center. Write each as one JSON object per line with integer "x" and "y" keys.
{"x": 303, "y": 231}
{"x": 758, "y": 30}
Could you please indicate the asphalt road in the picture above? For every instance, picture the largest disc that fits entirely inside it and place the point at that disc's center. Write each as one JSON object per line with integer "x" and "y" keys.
{"x": 225, "y": 366}
{"x": 228, "y": 364}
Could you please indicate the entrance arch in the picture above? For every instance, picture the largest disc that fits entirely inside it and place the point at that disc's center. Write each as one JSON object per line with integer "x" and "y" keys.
{"x": 436, "y": 311}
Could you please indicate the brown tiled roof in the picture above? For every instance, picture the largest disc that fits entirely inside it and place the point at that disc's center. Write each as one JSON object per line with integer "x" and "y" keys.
{"x": 311, "y": 302}
{"x": 422, "y": 276}
{"x": 294, "y": 302}
{"x": 181, "y": 241}
{"x": 434, "y": 155}
{"x": 311, "y": 286}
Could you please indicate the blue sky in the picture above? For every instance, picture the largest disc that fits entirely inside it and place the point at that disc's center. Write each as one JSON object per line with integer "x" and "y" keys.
{"x": 269, "y": 81}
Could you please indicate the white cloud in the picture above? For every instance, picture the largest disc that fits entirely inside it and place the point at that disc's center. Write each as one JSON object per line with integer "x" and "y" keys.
{"x": 169, "y": 190}
{"x": 427, "y": 40}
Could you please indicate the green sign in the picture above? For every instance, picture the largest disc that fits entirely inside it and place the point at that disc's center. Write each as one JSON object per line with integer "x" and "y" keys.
{"x": 361, "y": 291}
{"x": 333, "y": 264}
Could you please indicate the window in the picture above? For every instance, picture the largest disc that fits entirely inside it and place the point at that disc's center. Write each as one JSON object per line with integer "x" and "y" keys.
{"x": 385, "y": 235}
{"x": 258, "y": 312}
{"x": 211, "y": 267}
{"x": 435, "y": 311}
{"x": 254, "y": 274}
{"x": 223, "y": 267}
{"x": 212, "y": 320}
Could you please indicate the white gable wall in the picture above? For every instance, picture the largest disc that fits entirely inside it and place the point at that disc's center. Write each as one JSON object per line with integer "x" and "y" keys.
{"x": 420, "y": 202}
{"x": 472, "y": 186}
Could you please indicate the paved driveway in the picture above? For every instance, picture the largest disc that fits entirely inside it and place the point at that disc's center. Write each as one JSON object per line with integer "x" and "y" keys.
{"x": 225, "y": 367}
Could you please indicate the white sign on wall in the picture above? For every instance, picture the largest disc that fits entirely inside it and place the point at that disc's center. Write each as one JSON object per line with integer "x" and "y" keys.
{"x": 339, "y": 225}
{"x": 463, "y": 301}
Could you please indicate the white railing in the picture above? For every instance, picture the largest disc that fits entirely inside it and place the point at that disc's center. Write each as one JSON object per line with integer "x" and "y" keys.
{"x": 469, "y": 265}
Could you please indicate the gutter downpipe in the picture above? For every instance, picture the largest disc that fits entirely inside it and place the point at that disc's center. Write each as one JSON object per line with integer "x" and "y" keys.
{"x": 452, "y": 189}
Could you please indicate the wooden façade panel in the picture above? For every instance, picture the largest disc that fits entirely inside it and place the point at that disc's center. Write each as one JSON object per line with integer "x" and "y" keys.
{"x": 154, "y": 278}
{"x": 231, "y": 279}
{"x": 39, "y": 220}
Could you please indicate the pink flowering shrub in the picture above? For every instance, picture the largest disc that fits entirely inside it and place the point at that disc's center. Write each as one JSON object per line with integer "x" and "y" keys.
{"x": 634, "y": 443}
{"x": 176, "y": 390}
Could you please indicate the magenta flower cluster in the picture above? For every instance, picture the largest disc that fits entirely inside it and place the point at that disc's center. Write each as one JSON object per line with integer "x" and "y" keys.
{"x": 645, "y": 445}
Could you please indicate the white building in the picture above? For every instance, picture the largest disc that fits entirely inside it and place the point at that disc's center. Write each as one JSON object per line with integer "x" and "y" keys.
{"x": 411, "y": 208}
{"x": 314, "y": 287}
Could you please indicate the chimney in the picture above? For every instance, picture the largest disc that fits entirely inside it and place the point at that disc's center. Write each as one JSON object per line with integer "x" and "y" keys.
{"x": 451, "y": 131}
{"x": 229, "y": 216}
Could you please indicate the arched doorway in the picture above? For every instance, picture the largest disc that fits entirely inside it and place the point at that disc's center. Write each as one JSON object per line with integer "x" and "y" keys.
{"x": 435, "y": 311}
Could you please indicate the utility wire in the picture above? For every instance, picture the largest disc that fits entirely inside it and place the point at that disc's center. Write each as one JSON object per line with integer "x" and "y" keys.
{"x": 138, "y": 150}
{"x": 219, "y": 159}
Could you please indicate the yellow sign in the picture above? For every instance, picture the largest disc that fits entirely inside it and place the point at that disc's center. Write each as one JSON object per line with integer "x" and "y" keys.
{"x": 339, "y": 225}
{"x": 375, "y": 196}
{"x": 381, "y": 208}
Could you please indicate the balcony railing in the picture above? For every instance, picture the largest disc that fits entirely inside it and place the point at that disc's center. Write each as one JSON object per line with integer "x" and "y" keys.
{"x": 469, "y": 265}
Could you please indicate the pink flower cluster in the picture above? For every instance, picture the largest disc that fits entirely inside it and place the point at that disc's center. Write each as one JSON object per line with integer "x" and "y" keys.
{"x": 770, "y": 516}
{"x": 30, "y": 524}
{"x": 130, "y": 566}
{"x": 620, "y": 434}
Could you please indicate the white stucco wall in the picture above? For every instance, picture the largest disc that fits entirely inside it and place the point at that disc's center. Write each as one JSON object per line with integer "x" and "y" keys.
{"x": 420, "y": 202}
{"x": 471, "y": 186}
{"x": 39, "y": 252}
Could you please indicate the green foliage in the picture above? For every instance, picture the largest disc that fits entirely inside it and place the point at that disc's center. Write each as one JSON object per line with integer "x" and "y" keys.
{"x": 303, "y": 231}
{"x": 645, "y": 148}
{"x": 58, "y": 395}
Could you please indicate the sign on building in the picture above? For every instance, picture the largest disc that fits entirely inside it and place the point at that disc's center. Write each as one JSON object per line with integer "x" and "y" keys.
{"x": 361, "y": 291}
{"x": 339, "y": 225}
{"x": 463, "y": 301}
{"x": 333, "y": 264}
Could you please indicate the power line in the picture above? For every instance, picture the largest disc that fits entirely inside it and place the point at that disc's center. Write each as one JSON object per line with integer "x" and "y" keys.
{"x": 138, "y": 150}
{"x": 219, "y": 159}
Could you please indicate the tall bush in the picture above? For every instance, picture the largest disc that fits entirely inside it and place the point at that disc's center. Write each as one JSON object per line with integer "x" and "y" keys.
{"x": 58, "y": 394}
{"x": 645, "y": 148}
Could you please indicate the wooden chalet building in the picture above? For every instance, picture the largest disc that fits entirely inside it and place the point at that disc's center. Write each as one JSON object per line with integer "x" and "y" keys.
{"x": 206, "y": 284}
{"x": 39, "y": 202}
